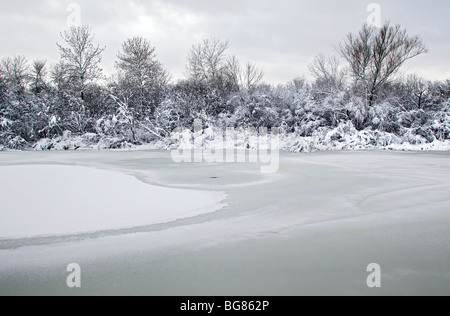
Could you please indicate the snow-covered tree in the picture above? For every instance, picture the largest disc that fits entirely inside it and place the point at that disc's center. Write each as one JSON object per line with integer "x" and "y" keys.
{"x": 38, "y": 76}
{"x": 15, "y": 73}
{"x": 141, "y": 76}
{"x": 138, "y": 104}
{"x": 2, "y": 87}
{"x": 438, "y": 94}
{"x": 59, "y": 76}
{"x": 80, "y": 58}
{"x": 125, "y": 111}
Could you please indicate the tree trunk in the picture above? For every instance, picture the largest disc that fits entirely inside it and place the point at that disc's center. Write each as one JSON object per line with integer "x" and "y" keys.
{"x": 420, "y": 100}
{"x": 373, "y": 89}
{"x": 371, "y": 98}
{"x": 133, "y": 134}
{"x": 82, "y": 88}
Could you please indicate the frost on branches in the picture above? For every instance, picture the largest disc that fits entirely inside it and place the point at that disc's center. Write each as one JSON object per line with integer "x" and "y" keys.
{"x": 357, "y": 100}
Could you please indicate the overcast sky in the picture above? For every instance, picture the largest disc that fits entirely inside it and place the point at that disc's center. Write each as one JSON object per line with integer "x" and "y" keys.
{"x": 281, "y": 36}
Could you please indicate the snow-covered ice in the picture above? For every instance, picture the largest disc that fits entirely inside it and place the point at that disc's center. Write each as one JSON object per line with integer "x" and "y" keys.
{"x": 311, "y": 228}
{"x": 54, "y": 200}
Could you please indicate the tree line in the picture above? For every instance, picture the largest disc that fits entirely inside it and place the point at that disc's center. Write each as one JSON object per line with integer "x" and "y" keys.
{"x": 360, "y": 85}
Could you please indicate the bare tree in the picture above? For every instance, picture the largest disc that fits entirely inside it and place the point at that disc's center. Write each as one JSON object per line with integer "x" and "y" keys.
{"x": 234, "y": 72}
{"x": 246, "y": 78}
{"x": 416, "y": 89}
{"x": 81, "y": 57}
{"x": 38, "y": 73}
{"x": 376, "y": 55}
{"x": 252, "y": 76}
{"x": 15, "y": 73}
{"x": 298, "y": 84}
{"x": 206, "y": 61}
{"x": 328, "y": 72}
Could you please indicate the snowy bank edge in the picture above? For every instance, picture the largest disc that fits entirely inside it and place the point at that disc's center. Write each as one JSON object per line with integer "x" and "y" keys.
{"x": 343, "y": 137}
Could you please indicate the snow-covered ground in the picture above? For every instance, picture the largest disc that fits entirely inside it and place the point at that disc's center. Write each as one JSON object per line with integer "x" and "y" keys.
{"x": 311, "y": 228}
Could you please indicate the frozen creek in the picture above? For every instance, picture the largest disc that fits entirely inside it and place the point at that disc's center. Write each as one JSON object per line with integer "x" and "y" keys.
{"x": 224, "y": 229}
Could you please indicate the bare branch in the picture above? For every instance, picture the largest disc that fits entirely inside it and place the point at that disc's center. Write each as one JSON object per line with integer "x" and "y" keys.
{"x": 206, "y": 61}
{"x": 15, "y": 72}
{"x": 247, "y": 78}
{"x": 328, "y": 72}
{"x": 375, "y": 56}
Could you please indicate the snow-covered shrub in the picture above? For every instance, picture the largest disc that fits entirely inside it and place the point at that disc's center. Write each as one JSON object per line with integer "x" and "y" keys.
{"x": 291, "y": 104}
{"x": 170, "y": 115}
{"x": 413, "y": 118}
{"x": 440, "y": 124}
{"x": 17, "y": 143}
{"x": 294, "y": 143}
{"x": 333, "y": 109}
{"x": 44, "y": 144}
{"x": 383, "y": 117}
{"x": 253, "y": 109}
{"x": 409, "y": 136}
{"x": 68, "y": 142}
{"x": 106, "y": 125}
{"x": 357, "y": 111}
{"x": 5, "y": 123}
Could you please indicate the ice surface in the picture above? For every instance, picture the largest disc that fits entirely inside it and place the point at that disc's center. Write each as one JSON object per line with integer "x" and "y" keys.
{"x": 312, "y": 228}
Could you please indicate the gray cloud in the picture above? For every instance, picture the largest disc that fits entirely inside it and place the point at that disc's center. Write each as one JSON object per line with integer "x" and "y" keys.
{"x": 281, "y": 36}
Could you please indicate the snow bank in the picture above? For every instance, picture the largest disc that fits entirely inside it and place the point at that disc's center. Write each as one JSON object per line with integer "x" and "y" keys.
{"x": 83, "y": 142}
{"x": 347, "y": 137}
{"x": 343, "y": 137}
{"x": 91, "y": 141}
{"x": 52, "y": 200}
